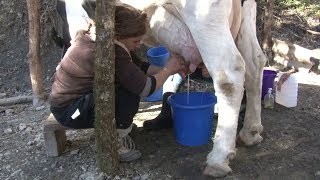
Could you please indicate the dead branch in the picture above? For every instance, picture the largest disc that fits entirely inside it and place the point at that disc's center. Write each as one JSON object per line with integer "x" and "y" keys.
{"x": 292, "y": 64}
{"x": 15, "y": 100}
{"x": 295, "y": 54}
{"x": 313, "y": 32}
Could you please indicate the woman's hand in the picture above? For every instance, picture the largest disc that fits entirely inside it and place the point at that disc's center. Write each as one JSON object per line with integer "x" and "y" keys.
{"x": 175, "y": 64}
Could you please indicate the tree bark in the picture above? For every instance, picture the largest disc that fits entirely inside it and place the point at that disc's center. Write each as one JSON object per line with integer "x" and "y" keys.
{"x": 35, "y": 65}
{"x": 268, "y": 21}
{"x": 105, "y": 128}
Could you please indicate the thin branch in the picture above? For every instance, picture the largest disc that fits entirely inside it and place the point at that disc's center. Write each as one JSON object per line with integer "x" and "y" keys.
{"x": 313, "y": 32}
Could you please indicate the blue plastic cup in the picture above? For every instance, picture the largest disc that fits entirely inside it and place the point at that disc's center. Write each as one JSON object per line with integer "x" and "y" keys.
{"x": 192, "y": 117}
{"x": 158, "y": 56}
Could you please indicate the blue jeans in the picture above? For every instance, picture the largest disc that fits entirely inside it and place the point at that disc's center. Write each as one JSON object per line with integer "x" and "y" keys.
{"x": 78, "y": 115}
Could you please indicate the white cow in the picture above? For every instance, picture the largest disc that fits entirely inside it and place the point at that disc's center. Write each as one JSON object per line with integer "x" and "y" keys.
{"x": 222, "y": 33}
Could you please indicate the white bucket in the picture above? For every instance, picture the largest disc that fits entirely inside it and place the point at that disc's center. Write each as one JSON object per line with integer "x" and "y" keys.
{"x": 288, "y": 95}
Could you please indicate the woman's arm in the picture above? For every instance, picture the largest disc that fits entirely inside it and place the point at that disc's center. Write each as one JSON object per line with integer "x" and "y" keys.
{"x": 152, "y": 70}
{"x": 174, "y": 65}
{"x": 131, "y": 77}
{"x": 154, "y": 82}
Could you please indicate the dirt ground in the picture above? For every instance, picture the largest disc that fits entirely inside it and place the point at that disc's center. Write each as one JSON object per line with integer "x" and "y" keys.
{"x": 290, "y": 150}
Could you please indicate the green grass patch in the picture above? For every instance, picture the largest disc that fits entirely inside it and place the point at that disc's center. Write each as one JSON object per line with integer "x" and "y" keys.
{"x": 306, "y": 7}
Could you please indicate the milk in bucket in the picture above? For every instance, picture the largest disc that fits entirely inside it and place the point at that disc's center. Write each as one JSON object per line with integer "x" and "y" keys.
{"x": 288, "y": 94}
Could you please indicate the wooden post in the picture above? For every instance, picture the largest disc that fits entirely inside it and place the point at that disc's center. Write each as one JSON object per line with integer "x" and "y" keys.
{"x": 35, "y": 64}
{"x": 105, "y": 129}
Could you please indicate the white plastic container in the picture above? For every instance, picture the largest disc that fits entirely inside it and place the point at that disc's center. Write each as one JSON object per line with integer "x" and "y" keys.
{"x": 288, "y": 95}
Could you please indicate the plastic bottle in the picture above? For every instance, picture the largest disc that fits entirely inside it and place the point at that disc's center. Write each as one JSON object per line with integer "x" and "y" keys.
{"x": 288, "y": 94}
{"x": 269, "y": 99}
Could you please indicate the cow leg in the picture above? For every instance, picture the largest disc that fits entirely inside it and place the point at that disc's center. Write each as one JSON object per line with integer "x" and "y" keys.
{"x": 250, "y": 50}
{"x": 228, "y": 84}
{"x": 213, "y": 38}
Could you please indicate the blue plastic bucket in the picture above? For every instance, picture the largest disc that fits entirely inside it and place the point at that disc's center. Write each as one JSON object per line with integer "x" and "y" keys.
{"x": 158, "y": 56}
{"x": 192, "y": 117}
{"x": 268, "y": 81}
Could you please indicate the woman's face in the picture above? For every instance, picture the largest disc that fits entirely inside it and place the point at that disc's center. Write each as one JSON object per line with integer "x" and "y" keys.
{"x": 132, "y": 42}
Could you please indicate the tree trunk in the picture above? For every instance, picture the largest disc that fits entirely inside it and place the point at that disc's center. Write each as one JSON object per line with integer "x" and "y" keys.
{"x": 105, "y": 129}
{"x": 268, "y": 21}
{"x": 35, "y": 65}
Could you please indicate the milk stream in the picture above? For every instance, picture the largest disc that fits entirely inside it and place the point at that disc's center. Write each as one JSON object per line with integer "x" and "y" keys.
{"x": 188, "y": 91}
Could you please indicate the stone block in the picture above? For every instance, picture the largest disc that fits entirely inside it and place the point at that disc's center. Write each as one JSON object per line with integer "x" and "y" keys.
{"x": 54, "y": 136}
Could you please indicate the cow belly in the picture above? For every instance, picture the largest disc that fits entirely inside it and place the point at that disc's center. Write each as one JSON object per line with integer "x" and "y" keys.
{"x": 168, "y": 30}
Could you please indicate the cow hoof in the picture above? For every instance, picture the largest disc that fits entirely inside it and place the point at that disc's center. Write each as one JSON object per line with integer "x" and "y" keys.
{"x": 251, "y": 139}
{"x": 217, "y": 170}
